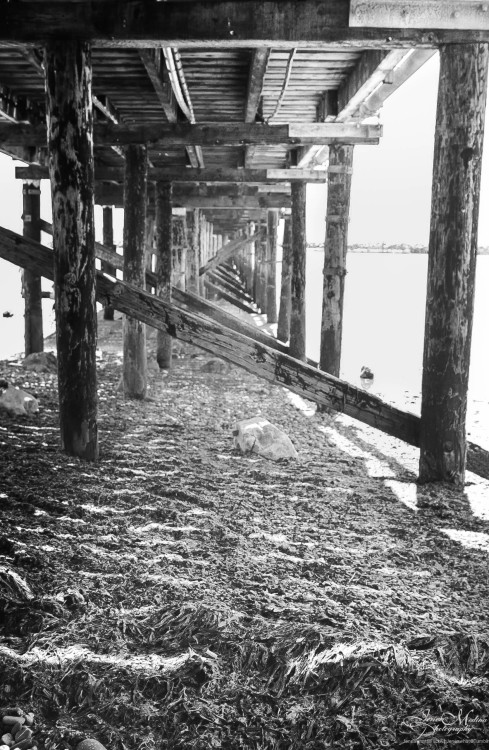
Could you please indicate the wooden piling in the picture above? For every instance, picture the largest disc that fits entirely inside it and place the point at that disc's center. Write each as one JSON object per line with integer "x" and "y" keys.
{"x": 335, "y": 249}
{"x": 262, "y": 271}
{"x": 179, "y": 252}
{"x": 134, "y": 332}
{"x": 193, "y": 235}
{"x": 31, "y": 284}
{"x": 452, "y": 261}
{"x": 68, "y": 73}
{"x": 283, "y": 327}
{"x": 271, "y": 266}
{"x": 108, "y": 241}
{"x": 164, "y": 266}
{"x": 298, "y": 282}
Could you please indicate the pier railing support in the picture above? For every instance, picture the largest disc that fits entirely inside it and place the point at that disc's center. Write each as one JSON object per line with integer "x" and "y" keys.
{"x": 335, "y": 249}
{"x": 298, "y": 283}
{"x": 70, "y": 138}
{"x": 452, "y": 260}
{"x": 31, "y": 284}
{"x": 164, "y": 266}
{"x": 134, "y": 332}
{"x": 283, "y": 327}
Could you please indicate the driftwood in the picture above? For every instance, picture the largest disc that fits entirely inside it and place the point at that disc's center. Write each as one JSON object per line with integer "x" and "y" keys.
{"x": 242, "y": 351}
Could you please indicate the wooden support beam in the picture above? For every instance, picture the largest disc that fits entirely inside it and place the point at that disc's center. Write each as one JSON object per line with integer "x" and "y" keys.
{"x": 134, "y": 376}
{"x": 193, "y": 267}
{"x": 214, "y": 286}
{"x": 31, "y": 283}
{"x": 283, "y": 326}
{"x": 164, "y": 266}
{"x": 261, "y": 288}
{"x": 256, "y": 77}
{"x": 452, "y": 260}
{"x": 298, "y": 282}
{"x": 416, "y": 14}
{"x": 179, "y": 251}
{"x": 167, "y": 174}
{"x": 335, "y": 249}
{"x": 155, "y": 66}
{"x": 255, "y": 23}
{"x": 271, "y": 266}
{"x": 69, "y": 123}
{"x": 377, "y": 75}
{"x": 187, "y": 134}
{"x": 298, "y": 377}
{"x": 108, "y": 241}
{"x": 227, "y": 251}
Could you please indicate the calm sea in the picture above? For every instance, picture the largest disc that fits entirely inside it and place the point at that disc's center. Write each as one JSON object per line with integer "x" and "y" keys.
{"x": 383, "y": 326}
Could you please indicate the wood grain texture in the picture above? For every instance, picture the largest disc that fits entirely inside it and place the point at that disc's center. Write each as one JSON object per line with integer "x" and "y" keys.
{"x": 134, "y": 333}
{"x": 298, "y": 281}
{"x": 283, "y": 326}
{"x": 452, "y": 261}
{"x": 31, "y": 283}
{"x": 335, "y": 249}
{"x": 69, "y": 127}
{"x": 164, "y": 266}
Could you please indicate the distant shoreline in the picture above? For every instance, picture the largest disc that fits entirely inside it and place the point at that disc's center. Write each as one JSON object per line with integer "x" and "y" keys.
{"x": 389, "y": 249}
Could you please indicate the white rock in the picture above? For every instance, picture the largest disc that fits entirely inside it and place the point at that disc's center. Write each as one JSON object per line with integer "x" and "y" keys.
{"x": 258, "y": 435}
{"x": 17, "y": 402}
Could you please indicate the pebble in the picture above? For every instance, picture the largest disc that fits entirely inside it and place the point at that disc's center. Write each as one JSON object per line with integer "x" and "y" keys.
{"x": 7, "y": 739}
{"x": 20, "y": 736}
{"x": 12, "y": 720}
{"x": 4, "y": 747}
{"x": 90, "y": 744}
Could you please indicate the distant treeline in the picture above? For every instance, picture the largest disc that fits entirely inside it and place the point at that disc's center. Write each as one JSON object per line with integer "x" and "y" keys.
{"x": 384, "y": 248}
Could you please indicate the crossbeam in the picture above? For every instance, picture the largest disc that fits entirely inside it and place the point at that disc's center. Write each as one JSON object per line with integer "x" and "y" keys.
{"x": 240, "y": 350}
{"x": 168, "y": 174}
{"x": 186, "y": 134}
{"x": 311, "y": 24}
{"x": 227, "y": 251}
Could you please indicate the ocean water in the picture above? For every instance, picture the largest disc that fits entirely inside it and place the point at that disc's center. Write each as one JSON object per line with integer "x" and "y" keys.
{"x": 383, "y": 328}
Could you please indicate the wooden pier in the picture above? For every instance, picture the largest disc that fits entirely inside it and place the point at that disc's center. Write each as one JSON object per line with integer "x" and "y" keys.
{"x": 206, "y": 138}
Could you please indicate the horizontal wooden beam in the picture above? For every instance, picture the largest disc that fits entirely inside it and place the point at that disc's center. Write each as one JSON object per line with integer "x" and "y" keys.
{"x": 168, "y": 174}
{"x": 254, "y": 23}
{"x": 187, "y": 134}
{"x": 376, "y": 77}
{"x": 240, "y": 350}
{"x": 420, "y": 14}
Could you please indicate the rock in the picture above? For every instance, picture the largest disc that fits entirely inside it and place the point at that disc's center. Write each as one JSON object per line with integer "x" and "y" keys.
{"x": 366, "y": 373}
{"x": 29, "y": 719}
{"x": 17, "y": 402}
{"x": 90, "y": 745}
{"x": 4, "y": 747}
{"x": 23, "y": 734}
{"x": 13, "y": 720}
{"x": 258, "y": 435}
{"x": 7, "y": 739}
{"x": 215, "y": 365}
{"x": 41, "y": 362}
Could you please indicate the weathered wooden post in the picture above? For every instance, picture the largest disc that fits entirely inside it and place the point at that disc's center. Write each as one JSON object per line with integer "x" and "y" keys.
{"x": 31, "y": 283}
{"x": 193, "y": 231}
{"x": 262, "y": 271}
{"x": 202, "y": 251}
{"x": 108, "y": 241}
{"x": 283, "y": 327}
{"x": 134, "y": 332}
{"x": 297, "y": 346}
{"x": 452, "y": 260}
{"x": 179, "y": 252}
{"x": 271, "y": 266}
{"x": 164, "y": 266}
{"x": 68, "y": 72}
{"x": 335, "y": 249}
